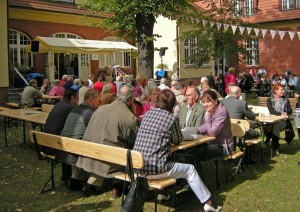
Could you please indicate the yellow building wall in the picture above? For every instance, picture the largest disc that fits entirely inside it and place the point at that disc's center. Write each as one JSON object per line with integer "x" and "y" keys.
{"x": 51, "y": 17}
{"x": 192, "y": 72}
{"x": 4, "y": 70}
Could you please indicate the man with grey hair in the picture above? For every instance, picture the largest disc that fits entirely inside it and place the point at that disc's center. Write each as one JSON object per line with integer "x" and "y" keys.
{"x": 163, "y": 84}
{"x": 238, "y": 109}
{"x": 113, "y": 124}
{"x": 192, "y": 112}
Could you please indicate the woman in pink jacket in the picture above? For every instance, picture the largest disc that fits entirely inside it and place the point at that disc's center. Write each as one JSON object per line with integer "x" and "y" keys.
{"x": 230, "y": 78}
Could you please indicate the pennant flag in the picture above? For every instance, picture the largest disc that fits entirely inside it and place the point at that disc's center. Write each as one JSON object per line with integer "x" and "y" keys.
{"x": 211, "y": 24}
{"x": 249, "y": 29}
{"x": 256, "y": 32}
{"x": 242, "y": 29}
{"x": 233, "y": 27}
{"x": 218, "y": 25}
{"x": 281, "y": 34}
{"x": 226, "y": 27}
{"x": 204, "y": 22}
{"x": 264, "y": 32}
{"x": 273, "y": 33}
{"x": 292, "y": 34}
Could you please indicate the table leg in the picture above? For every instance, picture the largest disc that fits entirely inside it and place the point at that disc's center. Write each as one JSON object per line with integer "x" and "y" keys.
{"x": 5, "y": 130}
{"x": 262, "y": 142}
{"x": 24, "y": 132}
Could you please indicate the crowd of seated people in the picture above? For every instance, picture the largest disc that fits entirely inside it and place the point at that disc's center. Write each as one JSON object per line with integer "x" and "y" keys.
{"x": 149, "y": 118}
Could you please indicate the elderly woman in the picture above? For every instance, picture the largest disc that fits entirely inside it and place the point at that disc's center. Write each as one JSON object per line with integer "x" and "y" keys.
{"x": 158, "y": 131}
{"x": 152, "y": 100}
{"x": 216, "y": 123}
{"x": 278, "y": 105}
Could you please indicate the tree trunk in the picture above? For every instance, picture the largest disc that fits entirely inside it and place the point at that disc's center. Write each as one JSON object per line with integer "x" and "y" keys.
{"x": 145, "y": 25}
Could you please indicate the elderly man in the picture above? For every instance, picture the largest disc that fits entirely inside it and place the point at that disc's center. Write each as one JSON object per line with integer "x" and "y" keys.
{"x": 113, "y": 124}
{"x": 238, "y": 109}
{"x": 75, "y": 127}
{"x": 192, "y": 112}
{"x": 30, "y": 93}
{"x": 163, "y": 84}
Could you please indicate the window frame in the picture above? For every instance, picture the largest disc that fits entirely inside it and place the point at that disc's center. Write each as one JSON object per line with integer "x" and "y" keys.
{"x": 17, "y": 53}
{"x": 287, "y": 5}
{"x": 244, "y": 7}
{"x": 190, "y": 48}
{"x": 253, "y": 48}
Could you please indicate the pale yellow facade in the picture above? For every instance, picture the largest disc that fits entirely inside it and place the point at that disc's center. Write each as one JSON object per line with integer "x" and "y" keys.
{"x": 189, "y": 71}
{"x": 35, "y": 15}
{"x": 4, "y": 69}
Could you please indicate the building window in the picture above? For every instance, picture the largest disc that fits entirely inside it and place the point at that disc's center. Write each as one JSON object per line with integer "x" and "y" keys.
{"x": 18, "y": 41}
{"x": 244, "y": 7}
{"x": 191, "y": 58}
{"x": 252, "y": 52}
{"x": 189, "y": 51}
{"x": 249, "y": 7}
{"x": 290, "y": 4}
{"x": 65, "y": 35}
{"x": 237, "y": 8}
{"x": 117, "y": 58}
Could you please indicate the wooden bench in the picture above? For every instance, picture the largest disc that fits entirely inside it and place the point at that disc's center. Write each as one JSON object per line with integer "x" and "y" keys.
{"x": 111, "y": 154}
{"x": 262, "y": 101}
{"x": 13, "y": 105}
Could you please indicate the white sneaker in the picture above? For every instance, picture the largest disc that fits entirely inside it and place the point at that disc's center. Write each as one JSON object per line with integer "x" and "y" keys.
{"x": 209, "y": 208}
{"x": 161, "y": 197}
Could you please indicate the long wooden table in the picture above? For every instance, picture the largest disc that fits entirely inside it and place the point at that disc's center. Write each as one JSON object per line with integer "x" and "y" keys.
{"x": 48, "y": 98}
{"x": 34, "y": 117}
{"x": 202, "y": 139}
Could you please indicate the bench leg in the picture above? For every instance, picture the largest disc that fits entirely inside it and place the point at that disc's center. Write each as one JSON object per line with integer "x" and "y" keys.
{"x": 155, "y": 200}
{"x": 52, "y": 163}
{"x": 174, "y": 195}
{"x": 217, "y": 172}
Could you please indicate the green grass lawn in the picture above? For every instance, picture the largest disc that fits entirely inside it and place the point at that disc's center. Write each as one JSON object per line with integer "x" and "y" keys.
{"x": 269, "y": 186}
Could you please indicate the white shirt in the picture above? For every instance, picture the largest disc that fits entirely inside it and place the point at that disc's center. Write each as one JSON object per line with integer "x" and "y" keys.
{"x": 163, "y": 87}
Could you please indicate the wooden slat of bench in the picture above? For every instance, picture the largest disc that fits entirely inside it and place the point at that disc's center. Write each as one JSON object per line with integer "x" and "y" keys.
{"x": 234, "y": 155}
{"x": 154, "y": 184}
{"x": 96, "y": 151}
{"x": 262, "y": 101}
{"x": 13, "y": 105}
{"x": 293, "y": 102}
{"x": 253, "y": 141}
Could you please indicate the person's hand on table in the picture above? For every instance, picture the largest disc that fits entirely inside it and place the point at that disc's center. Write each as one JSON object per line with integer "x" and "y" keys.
{"x": 284, "y": 115}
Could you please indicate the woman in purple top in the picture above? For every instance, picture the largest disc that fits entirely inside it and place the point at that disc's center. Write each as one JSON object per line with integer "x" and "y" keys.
{"x": 216, "y": 123}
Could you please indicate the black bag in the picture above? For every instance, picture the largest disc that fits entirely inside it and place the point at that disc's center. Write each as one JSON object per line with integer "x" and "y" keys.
{"x": 136, "y": 197}
{"x": 290, "y": 134}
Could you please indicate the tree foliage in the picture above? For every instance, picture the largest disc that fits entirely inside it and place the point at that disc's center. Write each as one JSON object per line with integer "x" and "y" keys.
{"x": 135, "y": 19}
